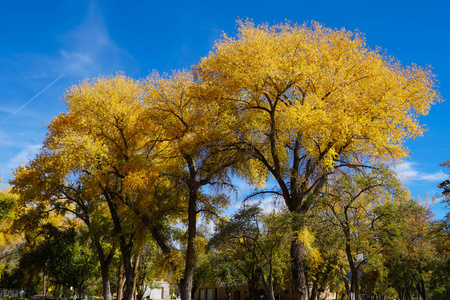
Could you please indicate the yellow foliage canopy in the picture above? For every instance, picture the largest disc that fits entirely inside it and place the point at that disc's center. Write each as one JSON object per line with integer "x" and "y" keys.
{"x": 320, "y": 89}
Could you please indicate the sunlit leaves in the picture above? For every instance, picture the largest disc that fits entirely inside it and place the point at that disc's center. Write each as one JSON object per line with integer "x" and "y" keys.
{"x": 321, "y": 88}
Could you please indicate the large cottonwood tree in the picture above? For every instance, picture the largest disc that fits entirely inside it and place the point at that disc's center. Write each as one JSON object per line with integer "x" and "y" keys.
{"x": 257, "y": 246}
{"x": 197, "y": 152}
{"x": 309, "y": 100}
{"x": 96, "y": 160}
{"x": 47, "y": 183}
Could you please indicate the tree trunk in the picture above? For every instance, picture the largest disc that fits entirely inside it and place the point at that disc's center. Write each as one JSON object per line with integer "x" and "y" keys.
{"x": 140, "y": 293}
{"x": 270, "y": 292}
{"x": 44, "y": 288}
{"x": 228, "y": 291}
{"x": 126, "y": 256}
{"x": 268, "y": 283}
{"x": 194, "y": 288}
{"x": 252, "y": 290}
{"x": 125, "y": 249}
{"x": 80, "y": 291}
{"x": 401, "y": 294}
{"x": 313, "y": 295}
{"x": 421, "y": 289}
{"x": 136, "y": 260}
{"x": 120, "y": 282}
{"x": 347, "y": 288}
{"x": 186, "y": 291}
{"x": 320, "y": 291}
{"x": 140, "y": 281}
{"x": 106, "y": 285}
{"x": 126, "y": 244}
{"x": 355, "y": 281}
{"x": 298, "y": 251}
{"x": 105, "y": 263}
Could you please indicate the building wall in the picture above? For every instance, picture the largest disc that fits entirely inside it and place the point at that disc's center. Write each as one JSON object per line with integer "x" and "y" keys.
{"x": 239, "y": 293}
{"x": 242, "y": 293}
{"x": 162, "y": 291}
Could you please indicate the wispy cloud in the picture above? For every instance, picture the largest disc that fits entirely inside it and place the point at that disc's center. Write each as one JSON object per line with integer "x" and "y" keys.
{"x": 407, "y": 172}
{"x": 90, "y": 51}
{"x": 22, "y": 157}
{"x": 86, "y": 51}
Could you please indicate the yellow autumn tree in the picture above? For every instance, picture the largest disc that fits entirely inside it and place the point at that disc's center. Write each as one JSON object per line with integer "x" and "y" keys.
{"x": 309, "y": 100}
{"x": 46, "y": 183}
{"x": 9, "y": 240}
{"x": 105, "y": 136}
{"x": 197, "y": 152}
{"x": 97, "y": 162}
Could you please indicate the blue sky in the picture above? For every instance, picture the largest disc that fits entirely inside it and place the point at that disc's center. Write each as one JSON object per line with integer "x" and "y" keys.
{"x": 46, "y": 46}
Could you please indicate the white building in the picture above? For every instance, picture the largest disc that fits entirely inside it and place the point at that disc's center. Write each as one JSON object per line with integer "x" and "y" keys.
{"x": 161, "y": 290}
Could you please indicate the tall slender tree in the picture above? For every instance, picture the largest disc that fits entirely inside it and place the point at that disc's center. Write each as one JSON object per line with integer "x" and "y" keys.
{"x": 197, "y": 148}
{"x": 408, "y": 250}
{"x": 351, "y": 202}
{"x": 256, "y": 244}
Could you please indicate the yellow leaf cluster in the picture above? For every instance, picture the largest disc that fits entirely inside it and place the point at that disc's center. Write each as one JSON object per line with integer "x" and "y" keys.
{"x": 313, "y": 254}
{"x": 172, "y": 261}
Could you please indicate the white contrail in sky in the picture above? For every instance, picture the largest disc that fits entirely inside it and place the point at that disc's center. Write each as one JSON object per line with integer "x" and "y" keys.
{"x": 34, "y": 97}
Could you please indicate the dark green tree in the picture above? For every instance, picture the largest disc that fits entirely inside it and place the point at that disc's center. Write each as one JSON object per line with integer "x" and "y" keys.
{"x": 218, "y": 269}
{"x": 257, "y": 246}
{"x": 63, "y": 258}
{"x": 350, "y": 203}
{"x": 408, "y": 251}
{"x": 441, "y": 274}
